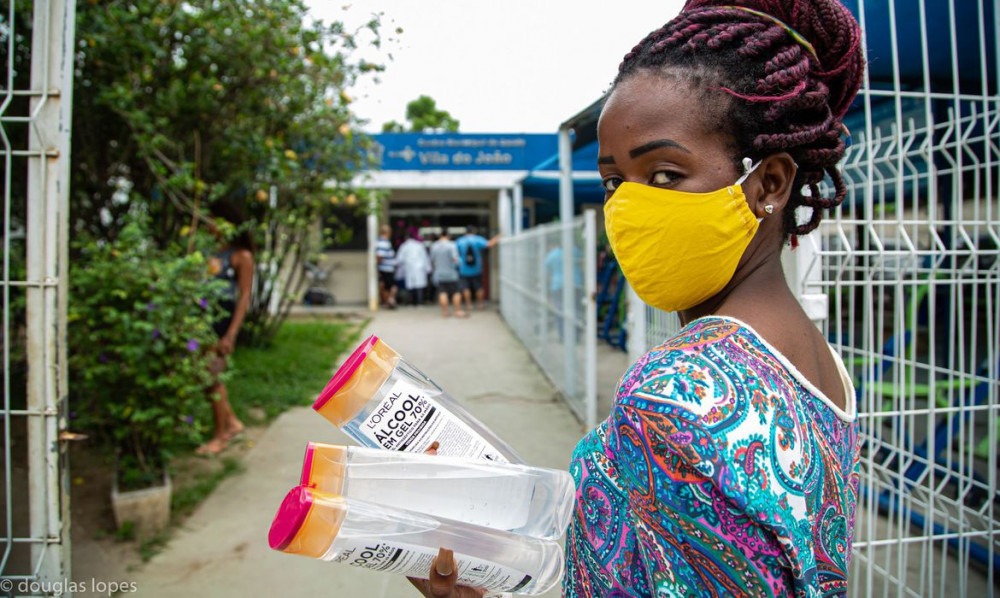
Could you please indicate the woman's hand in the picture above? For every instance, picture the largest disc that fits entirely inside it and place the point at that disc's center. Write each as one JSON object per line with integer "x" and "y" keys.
{"x": 443, "y": 582}
{"x": 225, "y": 345}
{"x": 443, "y": 577}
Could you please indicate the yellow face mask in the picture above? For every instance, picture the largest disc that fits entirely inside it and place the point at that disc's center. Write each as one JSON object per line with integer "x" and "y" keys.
{"x": 678, "y": 249}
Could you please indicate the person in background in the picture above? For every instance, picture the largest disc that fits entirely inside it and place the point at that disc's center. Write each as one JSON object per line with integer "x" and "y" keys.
{"x": 385, "y": 255}
{"x": 233, "y": 263}
{"x": 444, "y": 264}
{"x": 431, "y": 292}
{"x": 412, "y": 256}
{"x": 554, "y": 272}
{"x": 397, "y": 241}
{"x": 470, "y": 247}
{"x": 729, "y": 464}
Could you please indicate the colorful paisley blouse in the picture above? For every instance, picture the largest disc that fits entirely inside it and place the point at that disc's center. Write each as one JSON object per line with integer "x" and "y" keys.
{"x": 721, "y": 471}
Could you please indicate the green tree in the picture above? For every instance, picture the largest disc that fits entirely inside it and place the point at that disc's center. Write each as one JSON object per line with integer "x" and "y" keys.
{"x": 177, "y": 104}
{"x": 424, "y": 117}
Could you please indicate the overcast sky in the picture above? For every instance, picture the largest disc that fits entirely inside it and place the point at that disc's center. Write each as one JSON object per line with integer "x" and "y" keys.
{"x": 498, "y": 66}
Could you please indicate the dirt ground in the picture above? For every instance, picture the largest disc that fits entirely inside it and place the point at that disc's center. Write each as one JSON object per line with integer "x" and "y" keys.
{"x": 98, "y": 551}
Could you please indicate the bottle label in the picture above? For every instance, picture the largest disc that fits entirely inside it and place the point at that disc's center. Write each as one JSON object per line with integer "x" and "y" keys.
{"x": 415, "y": 561}
{"x": 409, "y": 419}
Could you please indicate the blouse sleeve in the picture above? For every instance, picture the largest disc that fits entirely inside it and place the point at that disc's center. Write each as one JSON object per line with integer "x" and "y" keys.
{"x": 692, "y": 538}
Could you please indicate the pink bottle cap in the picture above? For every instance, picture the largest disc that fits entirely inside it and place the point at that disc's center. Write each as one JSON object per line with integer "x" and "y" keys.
{"x": 346, "y": 370}
{"x": 306, "y": 522}
{"x": 289, "y": 518}
{"x": 307, "y": 464}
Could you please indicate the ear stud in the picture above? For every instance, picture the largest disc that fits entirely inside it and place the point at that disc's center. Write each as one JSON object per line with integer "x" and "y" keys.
{"x": 769, "y": 209}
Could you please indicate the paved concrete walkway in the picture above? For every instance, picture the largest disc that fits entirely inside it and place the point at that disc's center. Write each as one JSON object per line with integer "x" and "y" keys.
{"x": 222, "y": 549}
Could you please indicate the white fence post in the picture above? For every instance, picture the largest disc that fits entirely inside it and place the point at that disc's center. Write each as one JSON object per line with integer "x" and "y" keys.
{"x": 590, "y": 317}
{"x": 46, "y": 285}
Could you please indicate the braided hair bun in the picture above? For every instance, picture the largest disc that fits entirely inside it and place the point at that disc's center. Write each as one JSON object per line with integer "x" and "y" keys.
{"x": 790, "y": 68}
{"x": 831, "y": 30}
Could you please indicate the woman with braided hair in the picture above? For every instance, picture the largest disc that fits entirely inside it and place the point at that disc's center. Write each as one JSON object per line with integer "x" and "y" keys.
{"x": 729, "y": 465}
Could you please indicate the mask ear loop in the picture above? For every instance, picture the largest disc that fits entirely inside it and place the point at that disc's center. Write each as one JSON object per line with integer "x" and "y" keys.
{"x": 748, "y": 167}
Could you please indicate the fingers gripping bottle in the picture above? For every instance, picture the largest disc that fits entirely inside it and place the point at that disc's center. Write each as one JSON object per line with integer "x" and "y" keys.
{"x": 380, "y": 538}
{"x": 531, "y": 501}
{"x": 382, "y": 401}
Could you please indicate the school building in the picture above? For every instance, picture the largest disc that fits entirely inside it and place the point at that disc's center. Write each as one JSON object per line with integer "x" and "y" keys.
{"x": 500, "y": 183}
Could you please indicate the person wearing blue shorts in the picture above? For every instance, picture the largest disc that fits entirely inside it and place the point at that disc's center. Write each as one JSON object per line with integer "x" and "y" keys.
{"x": 470, "y": 247}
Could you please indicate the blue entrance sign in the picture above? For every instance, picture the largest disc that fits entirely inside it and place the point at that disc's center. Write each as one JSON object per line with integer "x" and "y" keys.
{"x": 464, "y": 151}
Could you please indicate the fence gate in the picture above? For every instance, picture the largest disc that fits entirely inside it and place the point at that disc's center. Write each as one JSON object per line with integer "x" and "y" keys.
{"x": 36, "y": 48}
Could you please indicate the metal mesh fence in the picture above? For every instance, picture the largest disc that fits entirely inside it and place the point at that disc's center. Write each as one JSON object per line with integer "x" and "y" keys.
{"x": 649, "y": 326}
{"x": 911, "y": 268}
{"x": 36, "y": 40}
{"x": 557, "y": 327}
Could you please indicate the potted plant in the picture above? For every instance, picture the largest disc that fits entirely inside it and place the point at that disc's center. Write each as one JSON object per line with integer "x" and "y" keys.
{"x": 140, "y": 330}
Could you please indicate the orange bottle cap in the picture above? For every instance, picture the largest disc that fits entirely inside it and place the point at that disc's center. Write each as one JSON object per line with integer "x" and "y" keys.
{"x": 324, "y": 467}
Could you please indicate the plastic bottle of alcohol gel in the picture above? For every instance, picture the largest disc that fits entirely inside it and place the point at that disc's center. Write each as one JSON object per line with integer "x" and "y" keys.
{"x": 531, "y": 501}
{"x": 382, "y": 401}
{"x": 361, "y": 534}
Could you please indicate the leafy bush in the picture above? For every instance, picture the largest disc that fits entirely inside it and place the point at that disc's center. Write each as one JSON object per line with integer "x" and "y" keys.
{"x": 140, "y": 326}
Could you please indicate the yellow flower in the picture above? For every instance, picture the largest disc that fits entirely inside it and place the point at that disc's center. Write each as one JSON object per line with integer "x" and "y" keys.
{"x": 261, "y": 195}
{"x": 185, "y": 231}
{"x": 290, "y": 154}
{"x": 345, "y": 129}
{"x": 334, "y": 199}
{"x": 214, "y": 266}
{"x": 351, "y": 199}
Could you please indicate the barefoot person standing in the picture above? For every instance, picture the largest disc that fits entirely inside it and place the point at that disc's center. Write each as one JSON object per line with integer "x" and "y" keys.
{"x": 234, "y": 264}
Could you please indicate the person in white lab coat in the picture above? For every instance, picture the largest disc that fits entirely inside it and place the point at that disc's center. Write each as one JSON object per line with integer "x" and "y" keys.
{"x": 412, "y": 256}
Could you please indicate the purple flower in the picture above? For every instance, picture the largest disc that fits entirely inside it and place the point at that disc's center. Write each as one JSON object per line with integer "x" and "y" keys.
{"x": 156, "y": 333}
{"x": 189, "y": 419}
{"x": 203, "y": 303}
{"x": 192, "y": 345}
{"x": 150, "y": 306}
{"x": 103, "y": 358}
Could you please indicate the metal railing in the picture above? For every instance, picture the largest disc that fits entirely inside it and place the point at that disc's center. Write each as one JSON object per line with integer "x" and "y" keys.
{"x": 557, "y": 322}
